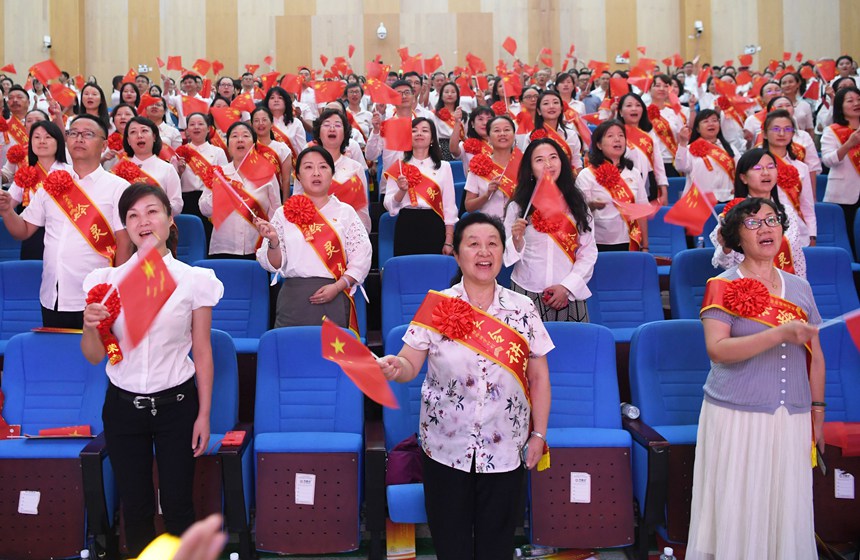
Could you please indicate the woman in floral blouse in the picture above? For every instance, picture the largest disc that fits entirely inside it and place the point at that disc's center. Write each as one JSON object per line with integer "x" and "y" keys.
{"x": 485, "y": 400}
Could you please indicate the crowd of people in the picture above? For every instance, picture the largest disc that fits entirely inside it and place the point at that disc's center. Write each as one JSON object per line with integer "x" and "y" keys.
{"x": 94, "y": 182}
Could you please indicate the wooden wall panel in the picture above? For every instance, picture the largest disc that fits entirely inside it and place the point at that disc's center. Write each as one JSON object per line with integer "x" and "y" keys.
{"x": 436, "y": 33}
{"x": 381, "y": 7}
{"x": 175, "y": 39}
{"x": 386, "y": 48}
{"x": 26, "y": 25}
{"x": 544, "y": 31}
{"x": 621, "y": 31}
{"x": 144, "y": 34}
{"x": 702, "y": 46}
{"x": 464, "y": 6}
{"x": 107, "y": 37}
{"x": 658, "y": 25}
{"x": 770, "y": 31}
{"x": 735, "y": 24}
{"x": 508, "y": 21}
{"x": 809, "y": 39}
{"x": 473, "y": 29}
{"x": 332, "y": 35}
{"x": 67, "y": 34}
{"x": 849, "y": 23}
{"x": 583, "y": 24}
{"x": 3, "y": 27}
{"x": 292, "y": 45}
{"x": 262, "y": 33}
{"x": 222, "y": 34}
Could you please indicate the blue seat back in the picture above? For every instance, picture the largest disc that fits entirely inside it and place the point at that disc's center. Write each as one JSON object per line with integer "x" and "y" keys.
{"x": 406, "y": 281}
{"x": 583, "y": 377}
{"x": 49, "y": 384}
{"x": 457, "y": 171}
{"x": 668, "y": 368}
{"x": 676, "y": 188}
{"x": 690, "y": 271}
{"x": 401, "y": 423}
{"x": 832, "y": 231}
{"x": 299, "y": 391}
{"x": 857, "y": 240}
{"x": 828, "y": 270}
{"x": 192, "y": 239}
{"x": 20, "y": 309}
{"x": 460, "y": 196}
{"x": 710, "y": 225}
{"x": 243, "y": 312}
{"x": 625, "y": 290}
{"x": 820, "y": 187}
{"x": 842, "y": 388}
{"x": 10, "y": 248}
{"x": 385, "y": 247}
{"x": 664, "y": 239}
{"x": 225, "y": 387}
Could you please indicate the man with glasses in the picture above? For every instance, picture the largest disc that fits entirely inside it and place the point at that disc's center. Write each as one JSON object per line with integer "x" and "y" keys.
{"x": 82, "y": 226}
{"x": 18, "y": 102}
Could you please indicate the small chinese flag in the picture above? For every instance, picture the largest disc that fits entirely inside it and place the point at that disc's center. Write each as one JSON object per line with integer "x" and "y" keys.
{"x": 252, "y": 68}
{"x": 380, "y": 92}
{"x": 786, "y": 56}
{"x": 143, "y": 292}
{"x": 513, "y": 85}
{"x": 799, "y": 56}
{"x": 548, "y": 199}
{"x": 667, "y": 61}
{"x": 217, "y": 66}
{"x": 641, "y": 50}
{"x": 643, "y": 84}
{"x": 827, "y": 68}
{"x": 774, "y": 64}
{"x": 201, "y": 66}
{"x": 813, "y": 91}
{"x": 677, "y": 60}
{"x": 397, "y": 134}
{"x": 745, "y": 59}
{"x": 743, "y": 78}
{"x": 145, "y": 101}
{"x": 465, "y": 87}
{"x": 412, "y": 64}
{"x": 326, "y": 92}
{"x": 725, "y": 88}
{"x": 292, "y": 83}
{"x": 256, "y": 168}
{"x": 692, "y": 210}
{"x": 546, "y": 56}
{"x": 206, "y": 91}
{"x": 174, "y": 63}
{"x": 323, "y": 60}
{"x": 374, "y": 70}
{"x": 167, "y": 153}
{"x": 269, "y": 79}
{"x": 357, "y": 362}
{"x": 703, "y": 76}
{"x": 403, "y": 52}
{"x": 571, "y": 50}
{"x": 79, "y": 82}
{"x": 675, "y": 102}
{"x": 432, "y": 64}
{"x": 194, "y": 105}
{"x": 63, "y": 95}
{"x": 634, "y": 211}
{"x": 45, "y": 71}
{"x": 852, "y": 321}
{"x": 476, "y": 64}
{"x": 10, "y": 68}
{"x": 592, "y": 118}
{"x": 350, "y": 51}
{"x": 626, "y": 54}
{"x": 483, "y": 83}
{"x": 243, "y": 102}
{"x": 618, "y": 87}
{"x": 510, "y": 45}
{"x": 268, "y": 60}
{"x": 806, "y": 72}
{"x": 159, "y": 62}
{"x": 225, "y": 201}
{"x": 224, "y": 116}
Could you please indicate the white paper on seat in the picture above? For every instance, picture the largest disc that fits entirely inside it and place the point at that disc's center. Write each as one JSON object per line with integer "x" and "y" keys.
{"x": 305, "y": 488}
{"x": 844, "y": 482}
{"x": 28, "y": 502}
{"x": 580, "y": 488}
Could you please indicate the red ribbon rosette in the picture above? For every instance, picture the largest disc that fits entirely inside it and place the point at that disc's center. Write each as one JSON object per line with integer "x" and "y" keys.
{"x": 499, "y": 108}
{"x": 787, "y": 176}
{"x": 454, "y": 318}
{"x": 184, "y": 152}
{"x": 607, "y": 175}
{"x": 16, "y": 154}
{"x": 114, "y": 142}
{"x": 444, "y": 114}
{"x": 473, "y": 146}
{"x": 481, "y": 165}
{"x": 58, "y": 182}
{"x": 653, "y": 112}
{"x": 698, "y": 149}
{"x": 746, "y": 296}
{"x": 729, "y": 205}
{"x": 544, "y": 225}
{"x": 537, "y": 134}
{"x": 109, "y": 341}
{"x": 27, "y": 177}
{"x": 413, "y": 175}
{"x": 299, "y": 210}
{"x": 127, "y": 170}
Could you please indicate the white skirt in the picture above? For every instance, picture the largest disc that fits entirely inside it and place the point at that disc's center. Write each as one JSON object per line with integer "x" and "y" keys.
{"x": 752, "y": 486}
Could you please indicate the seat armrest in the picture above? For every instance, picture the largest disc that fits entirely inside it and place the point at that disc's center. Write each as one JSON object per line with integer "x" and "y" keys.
{"x": 235, "y": 501}
{"x": 98, "y": 518}
{"x": 238, "y": 450}
{"x": 375, "y": 456}
{"x": 644, "y": 435}
{"x": 656, "y": 491}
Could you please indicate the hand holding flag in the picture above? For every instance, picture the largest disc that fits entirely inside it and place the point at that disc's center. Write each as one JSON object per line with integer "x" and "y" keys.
{"x": 357, "y": 362}
{"x": 144, "y": 291}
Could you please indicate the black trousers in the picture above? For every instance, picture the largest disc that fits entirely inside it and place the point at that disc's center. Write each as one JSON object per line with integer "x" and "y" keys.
{"x": 130, "y": 434}
{"x": 62, "y": 319}
{"x": 471, "y": 515}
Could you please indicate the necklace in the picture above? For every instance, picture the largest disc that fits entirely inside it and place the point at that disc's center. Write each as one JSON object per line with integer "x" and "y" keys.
{"x": 773, "y": 280}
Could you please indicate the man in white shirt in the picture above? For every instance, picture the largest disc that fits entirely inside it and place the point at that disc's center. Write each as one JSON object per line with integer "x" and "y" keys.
{"x": 69, "y": 255}
{"x": 375, "y": 143}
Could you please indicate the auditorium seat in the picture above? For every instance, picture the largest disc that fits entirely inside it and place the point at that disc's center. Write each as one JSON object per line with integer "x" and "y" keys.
{"x": 386, "y": 238}
{"x": 20, "y": 309}
{"x": 665, "y": 240}
{"x": 457, "y": 171}
{"x": 10, "y": 248}
{"x": 192, "y": 238}
{"x": 820, "y": 187}
{"x": 691, "y": 270}
{"x": 832, "y": 231}
{"x": 828, "y": 270}
{"x": 676, "y": 188}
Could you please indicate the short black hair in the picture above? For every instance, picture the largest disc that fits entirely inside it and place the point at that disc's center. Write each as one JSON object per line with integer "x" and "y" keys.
{"x": 54, "y": 131}
{"x": 347, "y": 128}
{"x": 734, "y": 220}
{"x": 156, "y": 141}
{"x": 95, "y": 119}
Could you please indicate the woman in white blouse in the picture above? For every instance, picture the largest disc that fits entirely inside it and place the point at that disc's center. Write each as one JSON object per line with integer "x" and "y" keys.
{"x": 313, "y": 287}
{"x": 446, "y": 117}
{"x": 261, "y": 120}
{"x": 142, "y": 145}
{"x": 793, "y": 87}
{"x": 175, "y": 390}
{"x": 801, "y": 138}
{"x": 422, "y": 196}
{"x": 237, "y": 238}
{"x": 840, "y": 145}
{"x": 549, "y": 121}
{"x": 114, "y": 151}
{"x": 667, "y": 123}
{"x": 287, "y": 128}
{"x": 483, "y": 192}
{"x": 170, "y": 135}
{"x": 643, "y": 146}
{"x": 706, "y": 157}
{"x": 553, "y": 261}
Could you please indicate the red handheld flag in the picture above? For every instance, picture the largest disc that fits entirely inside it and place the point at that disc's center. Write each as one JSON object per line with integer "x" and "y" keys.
{"x": 201, "y": 66}
{"x": 476, "y": 65}
{"x": 725, "y": 88}
{"x": 45, "y": 71}
{"x": 269, "y": 79}
{"x": 326, "y": 92}
{"x": 548, "y": 199}
{"x": 465, "y": 87}
{"x": 641, "y": 49}
{"x": 323, "y": 60}
{"x": 268, "y": 60}
{"x": 432, "y": 64}
{"x": 510, "y": 45}
{"x": 703, "y": 76}
{"x": 379, "y": 92}
{"x": 745, "y": 59}
{"x": 570, "y": 51}
{"x": 252, "y": 68}
{"x": 546, "y": 56}
{"x": 743, "y": 78}
{"x": 626, "y": 54}
{"x": 206, "y": 91}
{"x": 357, "y": 362}
{"x": 79, "y": 82}
{"x": 225, "y": 201}
{"x": 217, "y": 66}
{"x": 350, "y": 51}
{"x": 692, "y": 210}
{"x": 159, "y": 62}
{"x": 194, "y": 105}
{"x": 827, "y": 68}
{"x": 677, "y": 60}
{"x": 634, "y": 211}
{"x": 174, "y": 63}
{"x": 397, "y": 134}
{"x": 786, "y": 56}
{"x": 224, "y": 116}
{"x": 618, "y": 87}
{"x": 852, "y": 321}
{"x": 130, "y": 76}
{"x": 813, "y": 91}
{"x": 63, "y": 95}
{"x": 513, "y": 85}
{"x": 243, "y": 102}
{"x": 799, "y": 56}
{"x": 256, "y": 168}
{"x": 143, "y": 292}
{"x": 412, "y": 64}
{"x": 293, "y": 83}
{"x": 10, "y": 68}
{"x": 145, "y": 101}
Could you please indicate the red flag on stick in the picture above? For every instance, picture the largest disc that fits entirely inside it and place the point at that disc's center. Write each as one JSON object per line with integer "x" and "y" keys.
{"x": 256, "y": 168}
{"x": 379, "y": 92}
{"x": 692, "y": 210}
{"x": 62, "y": 94}
{"x": 548, "y": 199}
{"x": 217, "y": 66}
{"x": 194, "y": 105}
{"x": 45, "y": 71}
{"x": 252, "y": 68}
{"x": 143, "y": 292}
{"x": 10, "y": 68}
{"x": 326, "y": 92}
{"x": 357, "y": 362}
{"x": 201, "y": 66}
{"x": 813, "y": 91}
{"x": 243, "y": 102}
{"x": 129, "y": 76}
{"x": 827, "y": 68}
{"x": 510, "y": 45}
{"x": 292, "y": 83}
{"x": 224, "y": 116}
{"x": 159, "y": 62}
{"x": 174, "y": 63}
{"x": 350, "y": 51}
{"x": 397, "y": 134}
{"x": 225, "y": 201}
{"x": 145, "y": 101}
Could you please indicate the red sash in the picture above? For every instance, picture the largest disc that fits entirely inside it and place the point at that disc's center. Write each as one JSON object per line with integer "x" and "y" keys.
{"x": 216, "y": 140}
{"x": 281, "y": 136}
{"x": 783, "y": 259}
{"x": 320, "y": 234}
{"x": 572, "y": 117}
{"x": 703, "y": 149}
{"x": 760, "y": 116}
{"x": 559, "y": 139}
{"x": 486, "y": 168}
{"x": 198, "y": 164}
{"x": 642, "y": 141}
{"x": 133, "y": 173}
{"x": 608, "y": 177}
{"x": 83, "y": 213}
{"x": 563, "y": 233}
{"x": 788, "y": 179}
{"x": 270, "y": 155}
{"x": 493, "y": 339}
{"x": 350, "y": 192}
{"x": 450, "y": 121}
{"x": 419, "y": 185}
{"x": 842, "y": 133}
{"x": 17, "y": 130}
{"x": 30, "y": 178}
{"x": 663, "y": 130}
{"x": 729, "y": 109}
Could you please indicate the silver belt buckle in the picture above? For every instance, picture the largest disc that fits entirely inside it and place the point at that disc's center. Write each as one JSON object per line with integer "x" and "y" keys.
{"x": 138, "y": 403}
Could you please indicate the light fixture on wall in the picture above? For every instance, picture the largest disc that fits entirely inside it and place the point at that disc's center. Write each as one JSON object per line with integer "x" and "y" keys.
{"x": 381, "y": 32}
{"x": 46, "y": 41}
{"x": 698, "y": 29}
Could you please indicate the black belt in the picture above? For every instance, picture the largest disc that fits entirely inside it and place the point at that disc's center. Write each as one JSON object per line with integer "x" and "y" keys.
{"x": 154, "y": 400}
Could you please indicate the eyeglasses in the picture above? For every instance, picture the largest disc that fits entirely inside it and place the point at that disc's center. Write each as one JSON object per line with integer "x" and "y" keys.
{"x": 759, "y": 168}
{"x": 781, "y": 129}
{"x": 405, "y": 93}
{"x": 85, "y": 134}
{"x": 755, "y": 223}
{"x": 529, "y": 97}
{"x": 335, "y": 125}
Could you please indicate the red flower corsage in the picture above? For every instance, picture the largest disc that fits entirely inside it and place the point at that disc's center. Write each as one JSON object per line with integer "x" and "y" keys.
{"x": 413, "y": 175}
{"x": 473, "y": 146}
{"x": 543, "y": 225}
{"x": 698, "y": 149}
{"x": 16, "y": 154}
{"x": 127, "y": 170}
{"x": 537, "y": 134}
{"x": 4, "y": 126}
{"x": 481, "y": 165}
{"x": 499, "y": 108}
{"x": 114, "y": 142}
{"x": 731, "y": 204}
{"x": 746, "y": 296}
{"x": 58, "y": 182}
{"x": 787, "y": 176}
{"x": 299, "y": 210}
{"x": 110, "y": 342}
{"x": 607, "y": 175}
{"x": 454, "y": 318}
{"x": 724, "y": 103}
{"x": 184, "y": 152}
{"x": 653, "y": 112}
{"x": 444, "y": 114}
{"x": 27, "y": 177}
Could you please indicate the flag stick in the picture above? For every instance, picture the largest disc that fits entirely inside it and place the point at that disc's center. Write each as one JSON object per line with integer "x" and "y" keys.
{"x": 242, "y": 200}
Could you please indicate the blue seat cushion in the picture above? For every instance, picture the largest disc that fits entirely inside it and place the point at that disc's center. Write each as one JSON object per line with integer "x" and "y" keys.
{"x": 3, "y": 344}
{"x": 855, "y": 267}
{"x": 623, "y": 334}
{"x": 308, "y": 442}
{"x": 42, "y": 448}
{"x": 246, "y": 345}
{"x": 663, "y": 270}
{"x": 678, "y": 435}
{"x": 587, "y": 437}
{"x": 406, "y": 503}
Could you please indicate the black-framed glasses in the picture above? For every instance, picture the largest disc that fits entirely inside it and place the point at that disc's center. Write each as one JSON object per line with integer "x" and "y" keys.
{"x": 756, "y": 223}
